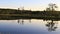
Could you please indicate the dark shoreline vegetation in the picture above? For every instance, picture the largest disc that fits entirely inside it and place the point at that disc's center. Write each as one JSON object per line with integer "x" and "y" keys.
{"x": 13, "y": 14}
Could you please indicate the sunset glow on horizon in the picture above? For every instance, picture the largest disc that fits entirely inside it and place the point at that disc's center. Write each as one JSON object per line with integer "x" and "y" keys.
{"x": 28, "y": 4}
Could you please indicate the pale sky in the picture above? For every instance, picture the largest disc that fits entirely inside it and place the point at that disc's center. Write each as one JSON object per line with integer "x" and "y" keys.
{"x": 28, "y": 4}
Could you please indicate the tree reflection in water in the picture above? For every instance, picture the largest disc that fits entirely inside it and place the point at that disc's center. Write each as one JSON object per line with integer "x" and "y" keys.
{"x": 21, "y": 21}
{"x": 30, "y": 20}
{"x": 52, "y": 26}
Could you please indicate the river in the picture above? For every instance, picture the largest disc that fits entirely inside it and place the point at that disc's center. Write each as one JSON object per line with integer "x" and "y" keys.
{"x": 29, "y": 26}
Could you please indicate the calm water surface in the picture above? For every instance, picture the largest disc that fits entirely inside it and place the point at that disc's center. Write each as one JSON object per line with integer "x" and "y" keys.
{"x": 32, "y": 26}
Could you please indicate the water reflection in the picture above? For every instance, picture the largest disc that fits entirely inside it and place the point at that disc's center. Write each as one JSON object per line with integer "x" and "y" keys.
{"x": 32, "y": 26}
{"x": 21, "y": 21}
{"x": 30, "y": 20}
{"x": 52, "y": 26}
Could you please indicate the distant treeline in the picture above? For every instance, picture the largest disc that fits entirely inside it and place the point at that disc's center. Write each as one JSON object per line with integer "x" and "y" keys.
{"x": 15, "y": 11}
{"x": 17, "y": 14}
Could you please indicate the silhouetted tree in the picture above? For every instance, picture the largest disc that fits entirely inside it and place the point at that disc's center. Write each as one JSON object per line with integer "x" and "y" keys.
{"x": 51, "y": 7}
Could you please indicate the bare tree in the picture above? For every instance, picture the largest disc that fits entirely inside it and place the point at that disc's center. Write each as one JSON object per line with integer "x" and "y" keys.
{"x": 51, "y": 7}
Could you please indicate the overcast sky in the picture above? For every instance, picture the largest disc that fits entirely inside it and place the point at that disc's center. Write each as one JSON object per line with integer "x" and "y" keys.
{"x": 28, "y": 4}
